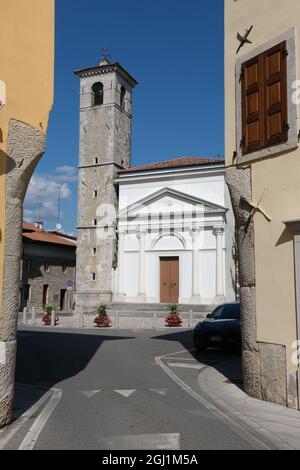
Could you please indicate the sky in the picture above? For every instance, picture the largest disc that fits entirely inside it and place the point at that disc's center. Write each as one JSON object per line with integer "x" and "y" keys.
{"x": 174, "y": 49}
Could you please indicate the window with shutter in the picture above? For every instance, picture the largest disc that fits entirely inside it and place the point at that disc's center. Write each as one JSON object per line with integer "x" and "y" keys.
{"x": 264, "y": 100}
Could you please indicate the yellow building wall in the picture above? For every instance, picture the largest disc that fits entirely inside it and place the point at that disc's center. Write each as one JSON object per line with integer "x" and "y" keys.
{"x": 278, "y": 176}
{"x": 26, "y": 66}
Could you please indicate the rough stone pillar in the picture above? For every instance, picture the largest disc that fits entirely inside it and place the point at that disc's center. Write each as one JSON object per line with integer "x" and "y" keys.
{"x": 239, "y": 184}
{"x": 25, "y": 147}
{"x": 264, "y": 364}
{"x": 220, "y": 294}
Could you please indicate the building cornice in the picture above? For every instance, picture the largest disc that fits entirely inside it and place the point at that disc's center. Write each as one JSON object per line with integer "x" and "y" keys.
{"x": 163, "y": 173}
{"x": 104, "y": 70}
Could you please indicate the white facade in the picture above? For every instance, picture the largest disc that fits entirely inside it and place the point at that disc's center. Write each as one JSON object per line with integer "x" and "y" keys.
{"x": 181, "y": 213}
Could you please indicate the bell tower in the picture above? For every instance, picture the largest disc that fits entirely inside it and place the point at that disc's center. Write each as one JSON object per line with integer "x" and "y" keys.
{"x": 105, "y": 148}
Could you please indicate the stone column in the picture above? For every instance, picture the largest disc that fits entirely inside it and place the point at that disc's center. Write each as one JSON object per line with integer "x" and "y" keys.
{"x": 196, "y": 297}
{"x": 220, "y": 294}
{"x": 25, "y": 147}
{"x": 141, "y": 235}
{"x": 120, "y": 297}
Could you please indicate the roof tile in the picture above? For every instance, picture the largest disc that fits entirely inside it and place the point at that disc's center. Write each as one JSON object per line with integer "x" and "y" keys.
{"x": 175, "y": 163}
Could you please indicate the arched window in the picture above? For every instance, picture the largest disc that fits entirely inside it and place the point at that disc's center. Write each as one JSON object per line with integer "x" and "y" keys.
{"x": 122, "y": 97}
{"x": 97, "y": 90}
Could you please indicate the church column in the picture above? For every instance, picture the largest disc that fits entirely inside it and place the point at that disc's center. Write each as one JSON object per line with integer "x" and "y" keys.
{"x": 196, "y": 297}
{"x": 141, "y": 235}
{"x": 121, "y": 247}
{"x": 220, "y": 294}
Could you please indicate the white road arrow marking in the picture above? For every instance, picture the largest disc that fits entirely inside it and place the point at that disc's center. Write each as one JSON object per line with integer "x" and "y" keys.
{"x": 142, "y": 442}
{"x": 186, "y": 366}
{"x": 160, "y": 391}
{"x": 89, "y": 393}
{"x": 125, "y": 393}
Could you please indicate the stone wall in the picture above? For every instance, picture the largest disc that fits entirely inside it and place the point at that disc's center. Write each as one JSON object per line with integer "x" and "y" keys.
{"x": 56, "y": 278}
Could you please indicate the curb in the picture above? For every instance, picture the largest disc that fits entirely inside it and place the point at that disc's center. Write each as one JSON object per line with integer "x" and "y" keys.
{"x": 255, "y": 427}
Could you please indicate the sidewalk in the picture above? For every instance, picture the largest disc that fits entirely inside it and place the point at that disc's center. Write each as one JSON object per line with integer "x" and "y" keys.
{"x": 279, "y": 425}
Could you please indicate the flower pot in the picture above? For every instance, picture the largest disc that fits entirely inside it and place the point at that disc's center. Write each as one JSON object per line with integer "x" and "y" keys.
{"x": 102, "y": 322}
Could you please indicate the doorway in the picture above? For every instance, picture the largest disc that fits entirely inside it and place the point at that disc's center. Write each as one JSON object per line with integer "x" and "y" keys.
{"x": 63, "y": 296}
{"x": 45, "y": 294}
{"x": 169, "y": 280}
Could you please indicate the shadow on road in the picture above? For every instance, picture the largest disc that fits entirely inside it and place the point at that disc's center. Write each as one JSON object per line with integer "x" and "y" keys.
{"x": 45, "y": 358}
{"x": 225, "y": 360}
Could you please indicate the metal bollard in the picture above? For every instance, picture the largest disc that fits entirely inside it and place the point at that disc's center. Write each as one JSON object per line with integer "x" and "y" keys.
{"x": 117, "y": 320}
{"x": 33, "y": 316}
{"x": 25, "y": 315}
{"x": 154, "y": 320}
{"x": 81, "y": 320}
{"x": 190, "y": 318}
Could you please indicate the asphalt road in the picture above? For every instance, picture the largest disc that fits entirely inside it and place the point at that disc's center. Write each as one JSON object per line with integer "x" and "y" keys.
{"x": 113, "y": 394}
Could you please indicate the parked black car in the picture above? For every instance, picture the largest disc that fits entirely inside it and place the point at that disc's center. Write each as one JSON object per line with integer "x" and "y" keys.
{"x": 222, "y": 327}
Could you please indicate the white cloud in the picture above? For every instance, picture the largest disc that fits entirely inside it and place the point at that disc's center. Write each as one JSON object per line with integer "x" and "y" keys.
{"x": 42, "y": 194}
{"x": 66, "y": 173}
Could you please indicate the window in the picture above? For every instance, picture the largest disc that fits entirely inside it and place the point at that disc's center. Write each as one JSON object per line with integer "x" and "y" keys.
{"x": 28, "y": 265}
{"x": 96, "y": 160}
{"x": 95, "y": 193}
{"x": 27, "y": 293}
{"x": 264, "y": 100}
{"x": 97, "y": 92}
{"x": 93, "y": 276}
{"x": 46, "y": 267}
{"x": 227, "y": 312}
{"x": 122, "y": 97}
{"x": 64, "y": 268}
{"x": 94, "y": 251}
{"x": 95, "y": 222}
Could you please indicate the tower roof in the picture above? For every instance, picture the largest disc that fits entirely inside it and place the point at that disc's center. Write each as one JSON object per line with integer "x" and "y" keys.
{"x": 105, "y": 69}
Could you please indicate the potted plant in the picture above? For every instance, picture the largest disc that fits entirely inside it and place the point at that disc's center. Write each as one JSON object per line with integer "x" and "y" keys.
{"x": 102, "y": 320}
{"x": 47, "y": 316}
{"x": 174, "y": 318}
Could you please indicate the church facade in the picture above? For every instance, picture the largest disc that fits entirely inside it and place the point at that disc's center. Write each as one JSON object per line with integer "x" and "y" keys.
{"x": 173, "y": 233}
{"x": 160, "y": 233}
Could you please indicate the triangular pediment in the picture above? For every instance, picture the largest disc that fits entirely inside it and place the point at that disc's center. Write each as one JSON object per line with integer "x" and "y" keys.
{"x": 166, "y": 200}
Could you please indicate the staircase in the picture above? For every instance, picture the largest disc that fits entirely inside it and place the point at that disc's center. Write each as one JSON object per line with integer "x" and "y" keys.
{"x": 147, "y": 310}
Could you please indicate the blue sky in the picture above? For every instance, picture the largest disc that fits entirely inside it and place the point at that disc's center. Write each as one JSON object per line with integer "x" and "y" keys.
{"x": 175, "y": 51}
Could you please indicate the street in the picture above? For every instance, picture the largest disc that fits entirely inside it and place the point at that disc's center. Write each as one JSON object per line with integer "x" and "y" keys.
{"x": 121, "y": 390}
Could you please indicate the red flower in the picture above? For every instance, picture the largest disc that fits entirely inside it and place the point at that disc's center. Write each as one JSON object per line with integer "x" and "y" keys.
{"x": 102, "y": 320}
{"x": 174, "y": 320}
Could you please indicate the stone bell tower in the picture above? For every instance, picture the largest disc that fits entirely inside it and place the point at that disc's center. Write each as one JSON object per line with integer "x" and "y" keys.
{"x": 105, "y": 148}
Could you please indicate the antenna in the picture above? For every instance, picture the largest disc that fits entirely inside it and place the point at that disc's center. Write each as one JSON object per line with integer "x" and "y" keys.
{"x": 106, "y": 54}
{"x": 40, "y": 205}
{"x": 58, "y": 225}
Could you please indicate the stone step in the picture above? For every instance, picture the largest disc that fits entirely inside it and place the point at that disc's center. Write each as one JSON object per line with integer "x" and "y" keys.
{"x": 163, "y": 308}
{"x": 149, "y": 314}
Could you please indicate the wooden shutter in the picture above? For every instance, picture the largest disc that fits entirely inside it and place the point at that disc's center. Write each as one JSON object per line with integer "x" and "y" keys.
{"x": 276, "y": 114}
{"x": 264, "y": 100}
{"x": 252, "y": 105}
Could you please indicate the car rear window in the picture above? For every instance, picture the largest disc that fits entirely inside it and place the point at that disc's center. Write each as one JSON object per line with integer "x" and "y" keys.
{"x": 227, "y": 312}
